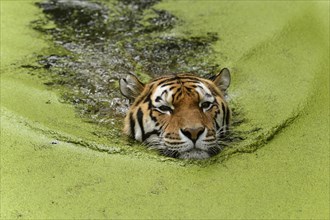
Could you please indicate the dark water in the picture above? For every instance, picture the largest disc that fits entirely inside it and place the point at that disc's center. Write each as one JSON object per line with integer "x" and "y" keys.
{"x": 107, "y": 40}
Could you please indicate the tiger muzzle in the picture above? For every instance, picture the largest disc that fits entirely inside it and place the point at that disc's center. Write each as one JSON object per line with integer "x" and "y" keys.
{"x": 193, "y": 133}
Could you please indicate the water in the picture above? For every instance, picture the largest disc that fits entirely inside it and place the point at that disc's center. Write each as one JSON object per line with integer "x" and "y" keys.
{"x": 107, "y": 40}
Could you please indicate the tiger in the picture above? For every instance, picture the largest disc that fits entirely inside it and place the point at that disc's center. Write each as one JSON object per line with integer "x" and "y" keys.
{"x": 181, "y": 115}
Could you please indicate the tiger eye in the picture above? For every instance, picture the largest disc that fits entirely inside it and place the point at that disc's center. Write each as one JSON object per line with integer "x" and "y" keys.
{"x": 206, "y": 105}
{"x": 165, "y": 108}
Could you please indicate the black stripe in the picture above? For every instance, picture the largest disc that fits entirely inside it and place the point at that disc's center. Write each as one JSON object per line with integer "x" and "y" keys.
{"x": 188, "y": 78}
{"x": 166, "y": 80}
{"x": 149, "y": 103}
{"x": 209, "y": 140}
{"x": 144, "y": 98}
{"x": 191, "y": 81}
{"x": 139, "y": 116}
{"x": 148, "y": 134}
{"x": 224, "y": 113}
{"x": 200, "y": 87}
{"x": 153, "y": 117}
{"x": 217, "y": 126}
{"x": 158, "y": 99}
{"x": 132, "y": 124}
{"x": 169, "y": 83}
{"x": 169, "y": 78}
{"x": 147, "y": 98}
{"x": 175, "y": 142}
{"x": 172, "y": 87}
{"x": 227, "y": 116}
{"x": 222, "y": 133}
{"x": 175, "y": 80}
{"x": 140, "y": 99}
{"x": 165, "y": 91}
{"x": 177, "y": 93}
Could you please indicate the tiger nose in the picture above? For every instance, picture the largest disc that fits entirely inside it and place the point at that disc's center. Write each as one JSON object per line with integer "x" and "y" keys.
{"x": 193, "y": 133}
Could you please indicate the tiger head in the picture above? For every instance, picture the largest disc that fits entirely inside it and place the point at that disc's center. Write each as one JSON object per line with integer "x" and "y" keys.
{"x": 183, "y": 115}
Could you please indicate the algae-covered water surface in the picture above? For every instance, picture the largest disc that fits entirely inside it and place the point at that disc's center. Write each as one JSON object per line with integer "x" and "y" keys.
{"x": 63, "y": 154}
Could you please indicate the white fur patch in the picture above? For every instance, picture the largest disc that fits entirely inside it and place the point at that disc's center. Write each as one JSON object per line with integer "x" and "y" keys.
{"x": 164, "y": 94}
{"x": 138, "y": 132}
{"x": 204, "y": 93}
{"x": 149, "y": 125}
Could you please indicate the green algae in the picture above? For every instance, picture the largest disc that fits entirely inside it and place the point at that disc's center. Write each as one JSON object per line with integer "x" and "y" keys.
{"x": 288, "y": 178}
{"x": 122, "y": 37}
{"x": 125, "y": 36}
{"x": 267, "y": 83}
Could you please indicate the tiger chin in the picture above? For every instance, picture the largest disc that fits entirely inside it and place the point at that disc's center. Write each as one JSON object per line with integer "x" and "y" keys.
{"x": 182, "y": 116}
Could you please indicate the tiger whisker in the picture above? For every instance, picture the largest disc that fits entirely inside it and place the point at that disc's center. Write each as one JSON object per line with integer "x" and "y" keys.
{"x": 169, "y": 153}
{"x": 174, "y": 146}
{"x": 214, "y": 150}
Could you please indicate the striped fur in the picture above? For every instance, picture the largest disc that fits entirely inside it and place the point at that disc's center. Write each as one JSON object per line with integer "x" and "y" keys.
{"x": 183, "y": 116}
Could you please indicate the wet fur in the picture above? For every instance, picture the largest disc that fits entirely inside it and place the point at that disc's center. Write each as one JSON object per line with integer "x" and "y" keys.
{"x": 169, "y": 114}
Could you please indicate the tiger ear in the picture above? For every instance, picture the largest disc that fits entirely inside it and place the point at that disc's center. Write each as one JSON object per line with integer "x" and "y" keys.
{"x": 222, "y": 79}
{"x": 131, "y": 87}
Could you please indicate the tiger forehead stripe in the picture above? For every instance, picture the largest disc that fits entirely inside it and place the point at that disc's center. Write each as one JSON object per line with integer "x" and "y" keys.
{"x": 174, "y": 78}
{"x": 162, "y": 94}
{"x": 204, "y": 92}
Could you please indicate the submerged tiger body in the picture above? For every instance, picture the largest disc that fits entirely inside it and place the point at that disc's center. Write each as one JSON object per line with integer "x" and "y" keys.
{"x": 183, "y": 115}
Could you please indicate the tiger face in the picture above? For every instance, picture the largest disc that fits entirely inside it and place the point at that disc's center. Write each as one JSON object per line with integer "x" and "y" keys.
{"x": 183, "y": 116}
